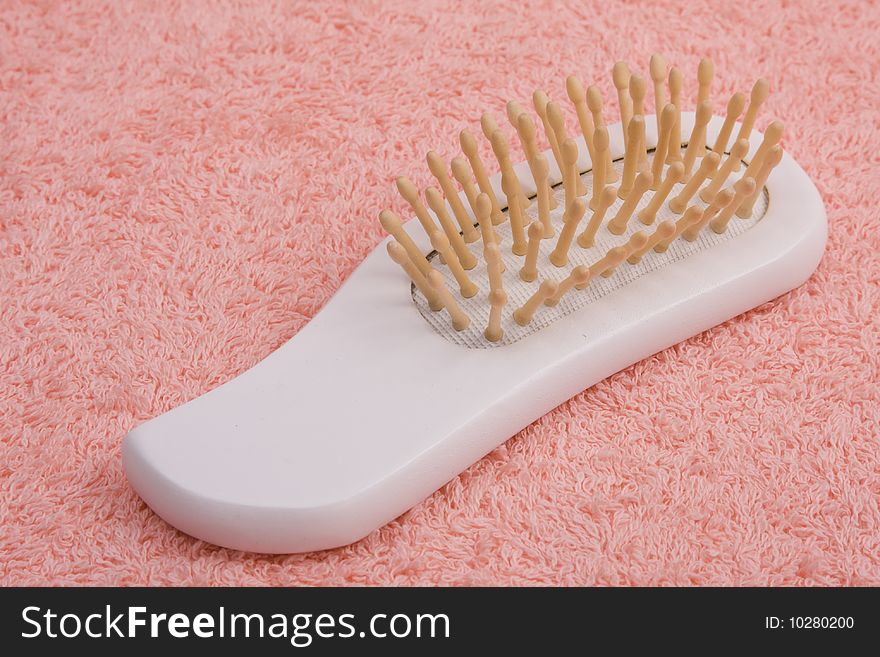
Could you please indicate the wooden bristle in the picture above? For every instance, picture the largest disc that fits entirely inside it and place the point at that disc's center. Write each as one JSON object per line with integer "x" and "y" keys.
{"x": 438, "y": 168}
{"x": 721, "y": 200}
{"x": 737, "y": 153}
{"x": 523, "y": 315}
{"x": 435, "y": 201}
{"x": 587, "y": 238}
{"x": 705, "y": 73}
{"x": 529, "y": 271}
{"x": 675, "y": 82}
{"x": 759, "y": 94}
{"x": 572, "y": 217}
{"x": 540, "y": 101}
{"x": 399, "y": 255}
{"x": 394, "y": 227}
{"x": 635, "y": 151}
{"x": 578, "y": 96}
{"x": 707, "y": 167}
{"x": 667, "y": 120}
{"x": 594, "y": 102}
{"x": 471, "y": 152}
{"x": 601, "y": 142}
{"x": 460, "y": 321}
{"x": 621, "y": 75}
{"x": 649, "y": 212}
{"x": 697, "y": 143}
{"x": 742, "y": 188}
{"x": 642, "y": 184}
{"x": 734, "y": 108}
{"x": 441, "y": 245}
{"x": 657, "y": 68}
{"x": 774, "y": 157}
{"x": 497, "y": 295}
{"x": 542, "y": 168}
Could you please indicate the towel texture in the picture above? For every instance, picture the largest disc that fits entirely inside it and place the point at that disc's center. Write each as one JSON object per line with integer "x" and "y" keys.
{"x": 184, "y": 184}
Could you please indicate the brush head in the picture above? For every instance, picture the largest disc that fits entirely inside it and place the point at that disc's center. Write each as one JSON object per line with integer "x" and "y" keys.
{"x": 669, "y": 198}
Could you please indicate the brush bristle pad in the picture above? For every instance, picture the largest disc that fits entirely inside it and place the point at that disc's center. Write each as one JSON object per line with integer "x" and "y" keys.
{"x": 477, "y": 307}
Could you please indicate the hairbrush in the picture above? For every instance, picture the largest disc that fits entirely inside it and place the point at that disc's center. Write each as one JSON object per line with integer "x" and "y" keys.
{"x": 506, "y": 295}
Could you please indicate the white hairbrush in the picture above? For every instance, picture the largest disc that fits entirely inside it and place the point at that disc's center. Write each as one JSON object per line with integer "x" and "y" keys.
{"x": 498, "y": 304}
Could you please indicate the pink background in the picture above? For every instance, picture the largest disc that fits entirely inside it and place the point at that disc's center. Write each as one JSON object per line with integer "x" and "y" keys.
{"x": 183, "y": 186}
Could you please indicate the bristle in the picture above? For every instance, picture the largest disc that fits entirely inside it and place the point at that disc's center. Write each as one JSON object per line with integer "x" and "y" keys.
{"x": 759, "y": 94}
{"x": 587, "y": 238}
{"x": 529, "y": 271}
{"x": 488, "y": 124}
{"x": 664, "y": 231}
{"x": 578, "y": 96}
{"x": 618, "y": 224}
{"x": 579, "y": 276}
{"x": 667, "y": 120}
{"x": 523, "y": 315}
{"x": 460, "y": 321}
{"x": 635, "y": 149}
{"x": 620, "y": 75}
{"x": 742, "y": 188}
{"x": 497, "y": 295}
{"x": 461, "y": 171}
{"x": 462, "y": 254}
{"x": 514, "y": 109}
{"x": 501, "y": 149}
{"x": 557, "y": 123}
{"x": 513, "y": 192}
{"x": 438, "y": 168}
{"x": 484, "y": 220}
{"x": 394, "y": 227}
{"x": 774, "y": 157}
{"x": 441, "y": 245}
{"x": 399, "y": 255}
{"x": 469, "y": 148}
{"x": 525, "y": 128}
{"x": 594, "y": 102}
{"x": 570, "y": 177}
{"x": 410, "y": 193}
{"x": 772, "y": 136}
{"x": 657, "y": 68}
{"x": 691, "y": 216}
{"x": 705, "y": 73}
{"x": 720, "y": 201}
{"x": 737, "y": 153}
{"x": 572, "y": 217}
{"x": 510, "y": 186}
{"x": 637, "y": 91}
{"x": 601, "y": 142}
{"x": 734, "y": 108}
{"x": 635, "y": 244}
{"x": 674, "y": 152}
{"x": 540, "y": 101}
{"x": 707, "y": 166}
{"x": 649, "y": 212}
{"x": 542, "y": 169}
{"x": 697, "y": 143}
